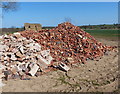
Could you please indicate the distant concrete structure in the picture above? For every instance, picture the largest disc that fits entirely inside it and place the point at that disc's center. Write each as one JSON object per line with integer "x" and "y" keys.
{"x": 29, "y": 26}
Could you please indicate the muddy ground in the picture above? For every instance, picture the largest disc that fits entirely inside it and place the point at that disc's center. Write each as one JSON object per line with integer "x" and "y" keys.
{"x": 94, "y": 76}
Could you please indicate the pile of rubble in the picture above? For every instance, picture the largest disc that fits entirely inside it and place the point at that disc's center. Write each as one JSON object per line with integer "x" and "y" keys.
{"x": 68, "y": 44}
{"x": 20, "y": 57}
{"x": 33, "y": 52}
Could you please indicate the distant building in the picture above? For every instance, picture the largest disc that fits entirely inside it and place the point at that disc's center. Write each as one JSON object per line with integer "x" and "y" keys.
{"x": 29, "y": 26}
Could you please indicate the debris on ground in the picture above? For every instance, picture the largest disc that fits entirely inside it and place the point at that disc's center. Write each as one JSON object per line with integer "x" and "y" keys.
{"x": 20, "y": 57}
{"x": 28, "y": 53}
{"x": 68, "y": 43}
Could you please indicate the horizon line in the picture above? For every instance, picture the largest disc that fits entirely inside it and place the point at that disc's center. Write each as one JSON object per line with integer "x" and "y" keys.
{"x": 60, "y": 23}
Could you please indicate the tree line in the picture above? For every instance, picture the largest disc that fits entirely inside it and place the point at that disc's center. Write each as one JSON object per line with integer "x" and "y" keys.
{"x": 104, "y": 26}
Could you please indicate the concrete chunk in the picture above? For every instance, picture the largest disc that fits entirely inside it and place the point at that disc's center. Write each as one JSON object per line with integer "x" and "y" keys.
{"x": 34, "y": 69}
{"x": 21, "y": 49}
{"x": 45, "y": 53}
{"x": 17, "y": 35}
{"x": 64, "y": 67}
{"x": 3, "y": 47}
{"x": 43, "y": 60}
{"x": 13, "y": 57}
{"x": 37, "y": 47}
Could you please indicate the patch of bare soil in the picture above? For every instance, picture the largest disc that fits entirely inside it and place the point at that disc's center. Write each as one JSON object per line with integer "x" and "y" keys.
{"x": 94, "y": 76}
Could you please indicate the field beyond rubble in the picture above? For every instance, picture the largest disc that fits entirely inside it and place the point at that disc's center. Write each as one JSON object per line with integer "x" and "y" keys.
{"x": 91, "y": 65}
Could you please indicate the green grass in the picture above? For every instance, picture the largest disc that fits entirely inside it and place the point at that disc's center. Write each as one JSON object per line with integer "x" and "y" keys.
{"x": 106, "y": 34}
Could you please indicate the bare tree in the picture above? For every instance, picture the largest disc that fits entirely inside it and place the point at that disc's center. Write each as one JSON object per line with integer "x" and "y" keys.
{"x": 68, "y": 19}
{"x": 8, "y": 6}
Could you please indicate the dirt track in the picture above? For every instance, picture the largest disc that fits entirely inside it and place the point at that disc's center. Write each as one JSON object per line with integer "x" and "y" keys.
{"x": 94, "y": 76}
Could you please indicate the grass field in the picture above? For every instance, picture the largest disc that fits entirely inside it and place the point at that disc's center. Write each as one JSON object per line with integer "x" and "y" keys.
{"x": 107, "y": 34}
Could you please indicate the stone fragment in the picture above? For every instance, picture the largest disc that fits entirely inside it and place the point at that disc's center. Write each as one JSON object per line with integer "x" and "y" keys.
{"x": 26, "y": 42}
{"x": 34, "y": 69}
{"x": 1, "y": 76}
{"x": 6, "y": 48}
{"x": 37, "y": 47}
{"x": 21, "y": 59}
{"x": 13, "y": 57}
{"x": 70, "y": 59}
{"x": 10, "y": 49}
{"x": 2, "y": 67}
{"x": 1, "y": 53}
{"x": 41, "y": 59}
{"x": 42, "y": 65}
{"x": 18, "y": 54}
{"x": 21, "y": 49}
{"x": 17, "y": 35}
{"x": 45, "y": 53}
{"x": 49, "y": 59}
{"x": 3, "y": 47}
{"x": 6, "y": 57}
{"x": 80, "y": 36}
{"x": 64, "y": 67}
{"x": 1, "y": 38}
{"x": 6, "y": 36}
{"x": 13, "y": 70}
{"x": 30, "y": 46}
{"x": 14, "y": 50}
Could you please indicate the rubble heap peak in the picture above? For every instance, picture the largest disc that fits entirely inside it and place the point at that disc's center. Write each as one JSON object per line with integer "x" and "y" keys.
{"x": 68, "y": 43}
